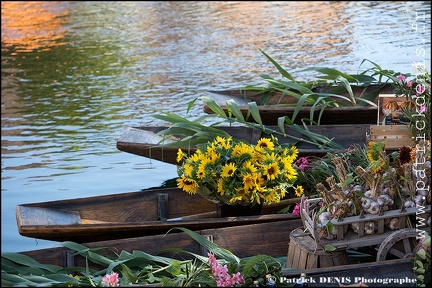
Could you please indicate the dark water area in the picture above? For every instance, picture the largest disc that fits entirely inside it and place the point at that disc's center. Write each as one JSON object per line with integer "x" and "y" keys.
{"x": 75, "y": 74}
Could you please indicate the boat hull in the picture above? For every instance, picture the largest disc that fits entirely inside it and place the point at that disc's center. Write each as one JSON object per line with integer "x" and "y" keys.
{"x": 145, "y": 140}
{"x": 132, "y": 214}
{"x": 275, "y": 105}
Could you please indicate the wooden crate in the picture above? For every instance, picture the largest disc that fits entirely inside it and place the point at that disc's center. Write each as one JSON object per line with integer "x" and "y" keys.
{"x": 348, "y": 239}
{"x": 395, "y": 136}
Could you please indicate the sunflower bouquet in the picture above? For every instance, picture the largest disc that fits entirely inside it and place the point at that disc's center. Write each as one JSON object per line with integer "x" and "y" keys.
{"x": 238, "y": 173}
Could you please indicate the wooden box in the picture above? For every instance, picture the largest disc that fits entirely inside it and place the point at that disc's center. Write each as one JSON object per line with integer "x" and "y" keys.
{"x": 395, "y": 136}
{"x": 346, "y": 237}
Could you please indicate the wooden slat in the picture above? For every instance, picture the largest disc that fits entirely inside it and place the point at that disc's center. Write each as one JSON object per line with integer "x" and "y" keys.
{"x": 395, "y": 136}
{"x": 242, "y": 240}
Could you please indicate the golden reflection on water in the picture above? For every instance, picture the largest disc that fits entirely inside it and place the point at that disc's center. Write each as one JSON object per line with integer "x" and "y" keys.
{"x": 32, "y": 25}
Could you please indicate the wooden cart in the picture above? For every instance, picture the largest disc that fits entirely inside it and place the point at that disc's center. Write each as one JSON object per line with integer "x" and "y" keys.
{"x": 399, "y": 243}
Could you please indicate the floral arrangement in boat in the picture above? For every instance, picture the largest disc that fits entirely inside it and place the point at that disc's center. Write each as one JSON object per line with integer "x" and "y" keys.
{"x": 388, "y": 181}
{"x": 239, "y": 173}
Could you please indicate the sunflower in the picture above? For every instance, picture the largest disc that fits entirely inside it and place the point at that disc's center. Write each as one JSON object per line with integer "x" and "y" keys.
{"x": 180, "y": 155}
{"x": 406, "y": 154}
{"x": 265, "y": 143}
{"x": 228, "y": 170}
{"x": 239, "y": 172}
{"x": 187, "y": 184}
{"x": 299, "y": 191}
{"x": 272, "y": 171}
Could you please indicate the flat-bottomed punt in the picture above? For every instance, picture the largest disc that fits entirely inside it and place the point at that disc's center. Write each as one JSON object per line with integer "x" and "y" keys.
{"x": 147, "y": 141}
{"x": 271, "y": 239}
{"x": 272, "y": 105}
{"x": 131, "y": 214}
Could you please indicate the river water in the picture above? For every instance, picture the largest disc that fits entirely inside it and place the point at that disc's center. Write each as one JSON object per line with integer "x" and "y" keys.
{"x": 75, "y": 74}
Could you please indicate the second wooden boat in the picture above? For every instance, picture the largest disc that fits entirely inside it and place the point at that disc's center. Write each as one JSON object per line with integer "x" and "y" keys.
{"x": 272, "y": 105}
{"x": 271, "y": 239}
{"x": 132, "y": 214}
{"x": 146, "y": 140}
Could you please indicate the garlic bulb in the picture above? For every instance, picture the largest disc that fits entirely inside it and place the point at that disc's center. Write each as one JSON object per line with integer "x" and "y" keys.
{"x": 374, "y": 208}
{"x": 409, "y": 204}
{"x": 366, "y": 203}
{"x": 370, "y": 227}
{"x": 394, "y": 224}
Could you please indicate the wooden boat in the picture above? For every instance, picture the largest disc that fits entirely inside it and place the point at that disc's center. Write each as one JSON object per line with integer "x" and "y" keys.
{"x": 132, "y": 214}
{"x": 145, "y": 140}
{"x": 271, "y": 239}
{"x": 274, "y": 105}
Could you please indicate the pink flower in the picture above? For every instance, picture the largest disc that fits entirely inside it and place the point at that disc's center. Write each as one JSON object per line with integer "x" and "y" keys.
{"x": 110, "y": 280}
{"x": 296, "y": 211}
{"x": 401, "y": 78}
{"x": 302, "y": 163}
{"x": 409, "y": 84}
{"x": 220, "y": 273}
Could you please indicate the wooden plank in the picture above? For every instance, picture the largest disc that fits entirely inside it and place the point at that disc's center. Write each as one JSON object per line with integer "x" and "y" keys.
{"x": 395, "y": 136}
{"x": 242, "y": 240}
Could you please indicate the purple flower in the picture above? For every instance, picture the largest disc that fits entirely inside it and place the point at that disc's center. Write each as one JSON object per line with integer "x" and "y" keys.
{"x": 401, "y": 78}
{"x": 409, "y": 84}
{"x": 422, "y": 109}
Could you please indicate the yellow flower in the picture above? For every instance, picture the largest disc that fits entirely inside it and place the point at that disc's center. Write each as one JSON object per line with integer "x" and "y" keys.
{"x": 264, "y": 143}
{"x": 180, "y": 155}
{"x": 188, "y": 170}
{"x": 76, "y": 277}
{"x": 220, "y": 188}
{"x": 187, "y": 184}
{"x": 248, "y": 167}
{"x": 291, "y": 173}
{"x": 272, "y": 171}
{"x": 228, "y": 170}
{"x": 238, "y": 172}
{"x": 249, "y": 182}
{"x": 243, "y": 150}
{"x": 223, "y": 142}
{"x": 299, "y": 191}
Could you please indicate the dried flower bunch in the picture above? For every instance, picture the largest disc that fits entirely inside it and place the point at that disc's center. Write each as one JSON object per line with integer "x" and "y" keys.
{"x": 387, "y": 182}
{"x": 237, "y": 172}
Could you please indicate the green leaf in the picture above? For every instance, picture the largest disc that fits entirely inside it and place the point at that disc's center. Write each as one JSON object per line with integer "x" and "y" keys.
{"x": 329, "y": 248}
{"x": 254, "y": 111}
{"x": 333, "y": 73}
{"x": 235, "y": 110}
{"x": 212, "y": 247}
{"x": 347, "y": 86}
{"x": 28, "y": 261}
{"x": 215, "y": 107}
{"x": 421, "y": 253}
{"x": 279, "y": 68}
